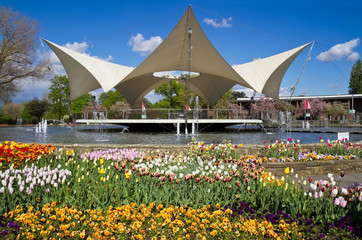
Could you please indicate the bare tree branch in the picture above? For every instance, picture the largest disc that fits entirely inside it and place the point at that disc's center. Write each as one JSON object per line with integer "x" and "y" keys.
{"x": 18, "y": 59}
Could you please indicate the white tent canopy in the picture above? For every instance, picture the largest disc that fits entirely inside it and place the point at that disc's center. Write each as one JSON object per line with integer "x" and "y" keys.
{"x": 216, "y": 75}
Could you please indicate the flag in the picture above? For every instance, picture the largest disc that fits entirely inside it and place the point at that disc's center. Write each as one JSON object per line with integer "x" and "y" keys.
{"x": 188, "y": 108}
{"x": 307, "y": 104}
{"x": 143, "y": 107}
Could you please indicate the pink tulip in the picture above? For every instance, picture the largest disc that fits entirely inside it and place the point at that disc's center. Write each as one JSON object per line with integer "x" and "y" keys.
{"x": 343, "y": 203}
{"x": 316, "y": 195}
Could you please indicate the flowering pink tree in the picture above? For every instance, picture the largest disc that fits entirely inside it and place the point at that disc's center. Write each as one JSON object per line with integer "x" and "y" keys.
{"x": 263, "y": 105}
{"x": 317, "y": 107}
{"x": 121, "y": 110}
{"x": 235, "y": 110}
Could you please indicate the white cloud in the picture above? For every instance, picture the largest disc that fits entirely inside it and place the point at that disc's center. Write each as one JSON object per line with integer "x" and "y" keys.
{"x": 153, "y": 97}
{"x": 353, "y": 57}
{"x": 170, "y": 74}
{"x": 107, "y": 59}
{"x": 305, "y": 91}
{"x": 144, "y": 47}
{"x": 340, "y": 51}
{"x": 78, "y": 47}
{"x": 334, "y": 85}
{"x": 33, "y": 89}
{"x": 255, "y": 59}
{"x": 98, "y": 92}
{"x": 248, "y": 91}
{"x": 213, "y": 22}
{"x": 284, "y": 92}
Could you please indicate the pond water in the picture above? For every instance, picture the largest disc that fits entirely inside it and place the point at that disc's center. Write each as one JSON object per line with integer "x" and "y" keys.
{"x": 114, "y": 135}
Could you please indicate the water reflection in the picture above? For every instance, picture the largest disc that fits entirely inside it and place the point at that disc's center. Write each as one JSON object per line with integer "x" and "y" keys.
{"x": 114, "y": 135}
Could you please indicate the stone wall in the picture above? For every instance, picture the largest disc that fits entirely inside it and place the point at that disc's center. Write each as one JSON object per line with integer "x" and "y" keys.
{"x": 316, "y": 167}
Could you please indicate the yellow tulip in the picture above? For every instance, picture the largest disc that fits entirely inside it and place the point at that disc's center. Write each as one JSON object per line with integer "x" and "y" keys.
{"x": 101, "y": 161}
{"x": 286, "y": 171}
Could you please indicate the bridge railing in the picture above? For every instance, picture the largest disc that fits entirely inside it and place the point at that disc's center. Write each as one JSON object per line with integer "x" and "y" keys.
{"x": 174, "y": 114}
{"x": 325, "y": 124}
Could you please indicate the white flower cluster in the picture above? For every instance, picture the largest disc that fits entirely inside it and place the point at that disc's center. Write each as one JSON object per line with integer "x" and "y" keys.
{"x": 30, "y": 177}
{"x": 180, "y": 168}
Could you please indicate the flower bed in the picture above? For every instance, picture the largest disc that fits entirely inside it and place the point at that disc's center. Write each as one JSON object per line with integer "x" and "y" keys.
{"x": 18, "y": 154}
{"x": 211, "y": 192}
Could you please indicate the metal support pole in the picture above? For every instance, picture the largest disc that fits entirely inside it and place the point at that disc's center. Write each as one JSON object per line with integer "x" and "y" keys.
{"x": 178, "y": 128}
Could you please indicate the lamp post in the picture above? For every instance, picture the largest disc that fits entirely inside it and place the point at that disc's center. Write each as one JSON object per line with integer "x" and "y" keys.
{"x": 184, "y": 77}
{"x": 353, "y": 111}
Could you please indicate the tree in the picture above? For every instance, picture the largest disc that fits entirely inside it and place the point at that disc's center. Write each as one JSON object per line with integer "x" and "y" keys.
{"x": 27, "y": 117}
{"x": 235, "y": 110}
{"x": 224, "y": 104}
{"x": 13, "y": 110}
{"x": 355, "y": 81}
{"x": 336, "y": 109}
{"x": 282, "y": 105}
{"x": 59, "y": 96}
{"x": 237, "y": 94}
{"x": 78, "y": 104}
{"x": 110, "y": 98}
{"x": 121, "y": 110}
{"x": 171, "y": 93}
{"x": 317, "y": 107}
{"x": 18, "y": 58}
{"x": 37, "y": 108}
{"x": 263, "y": 105}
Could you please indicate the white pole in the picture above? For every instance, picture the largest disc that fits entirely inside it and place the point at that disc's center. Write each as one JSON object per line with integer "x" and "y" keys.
{"x": 178, "y": 128}
{"x": 193, "y": 127}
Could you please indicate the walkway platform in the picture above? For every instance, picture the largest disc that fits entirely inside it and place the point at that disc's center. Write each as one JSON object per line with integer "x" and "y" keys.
{"x": 328, "y": 130}
{"x": 155, "y": 125}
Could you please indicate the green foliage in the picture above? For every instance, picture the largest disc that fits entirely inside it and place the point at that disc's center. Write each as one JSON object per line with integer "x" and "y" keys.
{"x": 355, "y": 81}
{"x": 224, "y": 102}
{"x": 171, "y": 93}
{"x": 78, "y": 104}
{"x": 237, "y": 94}
{"x": 27, "y": 117}
{"x": 13, "y": 110}
{"x": 6, "y": 119}
{"x": 336, "y": 109}
{"x": 110, "y": 98}
{"x": 59, "y": 89}
{"x": 37, "y": 108}
{"x": 283, "y": 105}
{"x": 59, "y": 98}
{"x": 212, "y": 177}
{"x": 174, "y": 94}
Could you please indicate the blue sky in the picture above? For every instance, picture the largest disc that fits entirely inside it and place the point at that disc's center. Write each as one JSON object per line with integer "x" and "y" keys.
{"x": 125, "y": 32}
